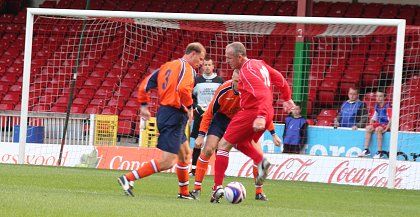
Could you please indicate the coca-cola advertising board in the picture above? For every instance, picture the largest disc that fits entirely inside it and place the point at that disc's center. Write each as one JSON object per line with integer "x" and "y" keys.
{"x": 308, "y": 168}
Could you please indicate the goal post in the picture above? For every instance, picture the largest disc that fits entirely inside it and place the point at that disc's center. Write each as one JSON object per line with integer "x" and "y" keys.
{"x": 260, "y": 35}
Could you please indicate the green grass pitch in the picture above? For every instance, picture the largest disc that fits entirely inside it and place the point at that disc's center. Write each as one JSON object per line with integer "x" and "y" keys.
{"x": 53, "y": 191}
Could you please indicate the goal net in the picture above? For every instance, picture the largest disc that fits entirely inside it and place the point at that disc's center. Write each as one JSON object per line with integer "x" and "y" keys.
{"x": 107, "y": 54}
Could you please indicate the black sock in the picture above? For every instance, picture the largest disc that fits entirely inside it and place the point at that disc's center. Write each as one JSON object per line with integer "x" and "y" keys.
{"x": 195, "y": 155}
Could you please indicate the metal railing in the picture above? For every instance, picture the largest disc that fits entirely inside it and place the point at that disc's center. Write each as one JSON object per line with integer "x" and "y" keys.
{"x": 78, "y": 132}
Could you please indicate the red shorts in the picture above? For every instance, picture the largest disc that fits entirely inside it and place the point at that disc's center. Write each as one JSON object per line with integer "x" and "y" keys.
{"x": 240, "y": 128}
{"x": 376, "y": 125}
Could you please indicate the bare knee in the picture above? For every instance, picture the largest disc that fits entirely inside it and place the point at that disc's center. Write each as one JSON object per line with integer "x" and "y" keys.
{"x": 224, "y": 145}
{"x": 379, "y": 131}
{"x": 370, "y": 129}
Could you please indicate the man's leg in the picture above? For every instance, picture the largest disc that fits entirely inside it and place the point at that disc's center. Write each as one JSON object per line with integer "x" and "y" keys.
{"x": 182, "y": 170}
{"x": 379, "y": 137}
{"x": 259, "y": 193}
{"x": 221, "y": 164}
{"x": 203, "y": 160}
{"x": 166, "y": 161}
{"x": 194, "y": 134}
{"x": 368, "y": 137}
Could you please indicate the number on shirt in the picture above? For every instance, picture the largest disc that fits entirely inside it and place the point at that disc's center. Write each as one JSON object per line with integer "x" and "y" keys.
{"x": 265, "y": 75}
{"x": 165, "y": 82}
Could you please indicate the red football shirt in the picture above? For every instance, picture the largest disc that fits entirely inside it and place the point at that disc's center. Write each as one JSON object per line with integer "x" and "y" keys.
{"x": 256, "y": 78}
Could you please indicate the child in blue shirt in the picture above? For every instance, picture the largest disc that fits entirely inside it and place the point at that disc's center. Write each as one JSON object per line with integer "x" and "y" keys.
{"x": 295, "y": 128}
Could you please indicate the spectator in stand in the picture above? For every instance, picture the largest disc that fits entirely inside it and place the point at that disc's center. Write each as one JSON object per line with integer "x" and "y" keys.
{"x": 295, "y": 128}
{"x": 379, "y": 124}
{"x": 204, "y": 88}
{"x": 353, "y": 112}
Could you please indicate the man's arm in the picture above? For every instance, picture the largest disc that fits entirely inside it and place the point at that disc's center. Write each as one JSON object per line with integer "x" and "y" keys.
{"x": 148, "y": 83}
{"x": 337, "y": 120}
{"x": 185, "y": 86}
{"x": 280, "y": 82}
{"x": 276, "y": 139}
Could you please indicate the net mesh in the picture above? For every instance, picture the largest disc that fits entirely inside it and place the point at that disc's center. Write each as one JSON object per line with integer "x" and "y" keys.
{"x": 111, "y": 56}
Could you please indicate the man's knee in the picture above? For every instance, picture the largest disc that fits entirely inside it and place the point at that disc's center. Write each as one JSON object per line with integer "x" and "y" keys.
{"x": 224, "y": 145}
{"x": 369, "y": 129}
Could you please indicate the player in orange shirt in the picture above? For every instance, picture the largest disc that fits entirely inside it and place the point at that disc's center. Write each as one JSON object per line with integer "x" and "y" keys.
{"x": 224, "y": 105}
{"x": 174, "y": 81}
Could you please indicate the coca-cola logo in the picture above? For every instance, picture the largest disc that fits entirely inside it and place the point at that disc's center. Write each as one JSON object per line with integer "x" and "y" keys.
{"x": 35, "y": 159}
{"x": 376, "y": 176}
{"x": 293, "y": 169}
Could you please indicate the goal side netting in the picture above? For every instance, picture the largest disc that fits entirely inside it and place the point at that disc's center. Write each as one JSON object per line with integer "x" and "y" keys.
{"x": 107, "y": 55}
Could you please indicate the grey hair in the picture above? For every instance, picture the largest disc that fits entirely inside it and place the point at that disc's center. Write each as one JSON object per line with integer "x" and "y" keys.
{"x": 238, "y": 48}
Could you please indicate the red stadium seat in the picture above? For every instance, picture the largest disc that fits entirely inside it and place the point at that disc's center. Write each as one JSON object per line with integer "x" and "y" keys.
{"x": 78, "y": 109}
{"x": 6, "y": 106}
{"x": 110, "y": 111}
{"x": 326, "y": 97}
{"x": 86, "y": 93}
{"x": 4, "y": 88}
{"x": 370, "y": 100}
{"x": 328, "y": 113}
{"x": 61, "y": 109}
{"x": 11, "y": 97}
{"x": 81, "y": 101}
{"x": 93, "y": 83}
{"x": 93, "y": 110}
{"x": 132, "y": 103}
{"x": 98, "y": 102}
{"x": 125, "y": 127}
{"x": 324, "y": 122}
{"x": 103, "y": 93}
{"x": 16, "y": 88}
{"x": 115, "y": 102}
{"x": 62, "y": 101}
{"x": 128, "y": 114}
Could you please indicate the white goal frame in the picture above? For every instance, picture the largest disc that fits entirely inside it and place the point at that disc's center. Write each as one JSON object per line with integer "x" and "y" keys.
{"x": 399, "y": 23}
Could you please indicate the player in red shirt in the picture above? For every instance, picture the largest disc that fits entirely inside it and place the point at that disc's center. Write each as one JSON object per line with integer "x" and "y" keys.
{"x": 222, "y": 108}
{"x": 174, "y": 81}
{"x": 257, "y": 112}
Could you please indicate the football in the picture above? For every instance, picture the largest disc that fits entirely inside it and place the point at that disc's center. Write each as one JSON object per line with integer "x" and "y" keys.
{"x": 235, "y": 192}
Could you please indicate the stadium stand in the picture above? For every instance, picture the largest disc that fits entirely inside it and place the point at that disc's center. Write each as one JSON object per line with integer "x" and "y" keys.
{"x": 102, "y": 77}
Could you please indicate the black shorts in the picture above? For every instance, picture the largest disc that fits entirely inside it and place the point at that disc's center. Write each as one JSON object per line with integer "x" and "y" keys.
{"x": 218, "y": 125}
{"x": 292, "y": 149}
{"x": 196, "y": 124}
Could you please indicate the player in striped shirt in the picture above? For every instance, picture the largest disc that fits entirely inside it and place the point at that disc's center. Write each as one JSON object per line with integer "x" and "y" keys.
{"x": 174, "y": 81}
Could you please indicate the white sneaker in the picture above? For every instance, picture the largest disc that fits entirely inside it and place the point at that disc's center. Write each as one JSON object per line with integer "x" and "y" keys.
{"x": 196, "y": 194}
{"x": 217, "y": 194}
{"x": 263, "y": 167}
{"x": 365, "y": 153}
{"x": 126, "y": 185}
{"x": 379, "y": 155}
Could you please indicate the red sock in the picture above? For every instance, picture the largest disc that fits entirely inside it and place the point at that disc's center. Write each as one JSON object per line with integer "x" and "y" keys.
{"x": 147, "y": 169}
{"x": 183, "y": 179}
{"x": 221, "y": 164}
{"x": 200, "y": 171}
